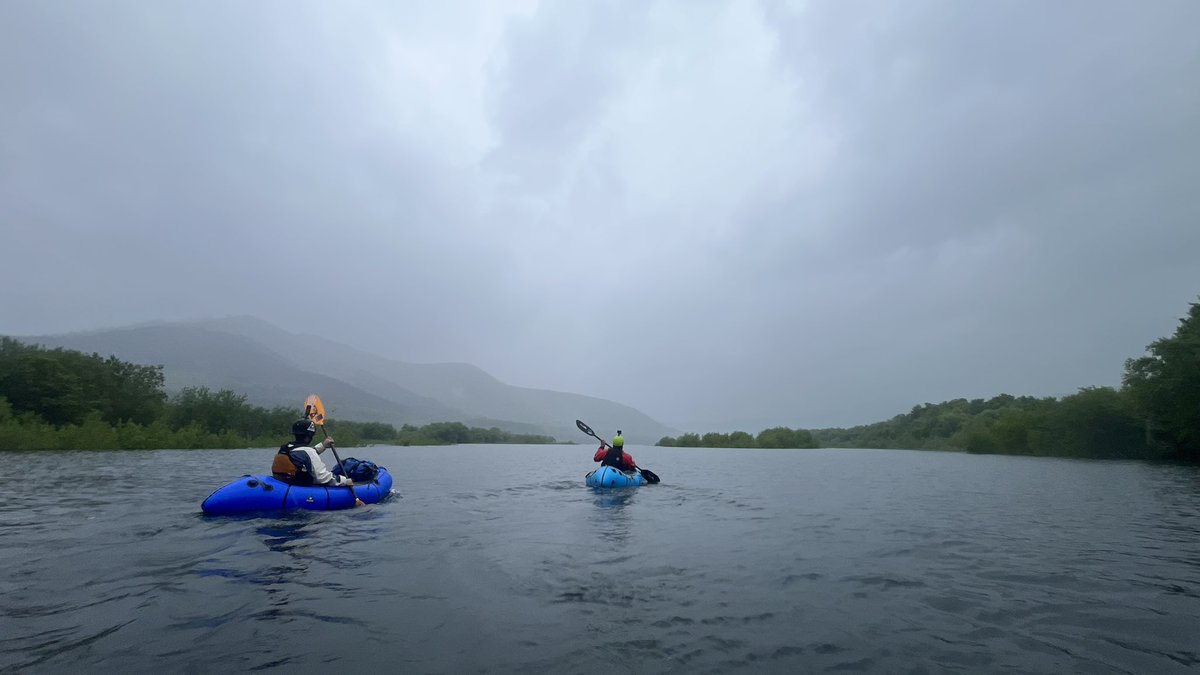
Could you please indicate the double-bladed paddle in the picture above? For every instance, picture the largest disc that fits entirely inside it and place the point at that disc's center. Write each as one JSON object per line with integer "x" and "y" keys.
{"x": 314, "y": 410}
{"x": 649, "y": 475}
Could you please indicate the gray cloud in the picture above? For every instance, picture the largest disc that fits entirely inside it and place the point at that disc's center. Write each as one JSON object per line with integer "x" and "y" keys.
{"x": 722, "y": 213}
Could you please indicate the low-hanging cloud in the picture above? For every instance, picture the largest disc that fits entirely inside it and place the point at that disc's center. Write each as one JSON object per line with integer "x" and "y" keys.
{"x": 726, "y": 214}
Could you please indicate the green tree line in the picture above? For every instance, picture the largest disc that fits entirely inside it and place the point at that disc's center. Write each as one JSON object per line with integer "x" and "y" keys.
{"x": 1154, "y": 414}
{"x": 436, "y": 433}
{"x": 776, "y": 437}
{"x": 64, "y": 399}
{"x": 1095, "y": 422}
{"x": 61, "y": 399}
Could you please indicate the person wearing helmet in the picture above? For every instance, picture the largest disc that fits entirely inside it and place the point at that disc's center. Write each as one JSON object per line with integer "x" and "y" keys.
{"x": 298, "y": 462}
{"x": 615, "y": 455}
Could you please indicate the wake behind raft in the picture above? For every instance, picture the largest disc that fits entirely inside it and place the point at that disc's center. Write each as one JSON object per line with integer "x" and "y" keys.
{"x": 250, "y": 494}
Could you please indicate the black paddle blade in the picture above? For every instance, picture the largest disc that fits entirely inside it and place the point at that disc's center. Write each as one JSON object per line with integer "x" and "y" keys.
{"x": 588, "y": 430}
{"x": 650, "y": 476}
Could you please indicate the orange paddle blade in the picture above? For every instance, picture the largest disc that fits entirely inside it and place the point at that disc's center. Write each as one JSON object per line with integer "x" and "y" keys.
{"x": 315, "y": 409}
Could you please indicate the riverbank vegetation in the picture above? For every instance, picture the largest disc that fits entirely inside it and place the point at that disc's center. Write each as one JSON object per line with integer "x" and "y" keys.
{"x": 1155, "y": 414}
{"x": 776, "y": 437}
{"x": 64, "y": 399}
{"x": 1096, "y": 422}
{"x": 60, "y": 399}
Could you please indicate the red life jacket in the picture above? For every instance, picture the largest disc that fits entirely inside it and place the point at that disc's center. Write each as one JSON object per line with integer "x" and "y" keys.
{"x": 615, "y": 457}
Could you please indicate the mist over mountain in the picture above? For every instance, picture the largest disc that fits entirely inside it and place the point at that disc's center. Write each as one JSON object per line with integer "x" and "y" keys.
{"x": 272, "y": 366}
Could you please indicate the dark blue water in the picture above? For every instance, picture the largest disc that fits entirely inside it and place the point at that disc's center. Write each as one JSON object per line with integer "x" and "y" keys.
{"x": 497, "y": 558}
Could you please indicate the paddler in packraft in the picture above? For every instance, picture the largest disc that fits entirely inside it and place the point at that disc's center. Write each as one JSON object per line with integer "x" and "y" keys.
{"x": 299, "y": 463}
{"x": 615, "y": 455}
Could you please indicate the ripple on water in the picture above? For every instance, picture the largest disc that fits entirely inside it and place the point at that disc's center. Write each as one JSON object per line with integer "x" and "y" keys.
{"x": 840, "y": 561}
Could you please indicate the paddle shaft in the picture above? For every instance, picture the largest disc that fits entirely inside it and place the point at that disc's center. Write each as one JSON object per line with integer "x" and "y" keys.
{"x": 339, "y": 461}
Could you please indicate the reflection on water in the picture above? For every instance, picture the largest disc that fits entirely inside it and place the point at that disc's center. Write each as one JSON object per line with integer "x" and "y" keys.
{"x": 280, "y": 536}
{"x": 614, "y": 498}
{"x": 614, "y": 521}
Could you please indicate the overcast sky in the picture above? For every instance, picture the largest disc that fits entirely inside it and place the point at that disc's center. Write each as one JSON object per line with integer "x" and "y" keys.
{"x": 726, "y": 214}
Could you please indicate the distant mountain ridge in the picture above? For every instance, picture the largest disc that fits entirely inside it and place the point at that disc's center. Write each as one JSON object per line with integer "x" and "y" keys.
{"x": 272, "y": 367}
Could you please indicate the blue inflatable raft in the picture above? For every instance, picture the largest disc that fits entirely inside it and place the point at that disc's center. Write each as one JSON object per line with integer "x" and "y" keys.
{"x": 249, "y": 494}
{"x": 608, "y": 476}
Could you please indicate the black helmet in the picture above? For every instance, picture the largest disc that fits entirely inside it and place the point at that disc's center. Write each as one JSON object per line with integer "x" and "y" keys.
{"x": 618, "y": 432}
{"x": 303, "y": 428}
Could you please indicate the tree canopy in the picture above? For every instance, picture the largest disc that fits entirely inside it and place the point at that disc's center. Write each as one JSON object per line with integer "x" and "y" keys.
{"x": 64, "y": 399}
{"x": 1165, "y": 388}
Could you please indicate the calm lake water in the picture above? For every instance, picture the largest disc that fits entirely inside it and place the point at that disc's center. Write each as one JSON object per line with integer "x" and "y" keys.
{"x": 497, "y": 558}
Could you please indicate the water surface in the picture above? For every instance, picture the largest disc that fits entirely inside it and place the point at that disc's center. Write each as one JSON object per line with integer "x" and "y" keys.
{"x": 497, "y": 558}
